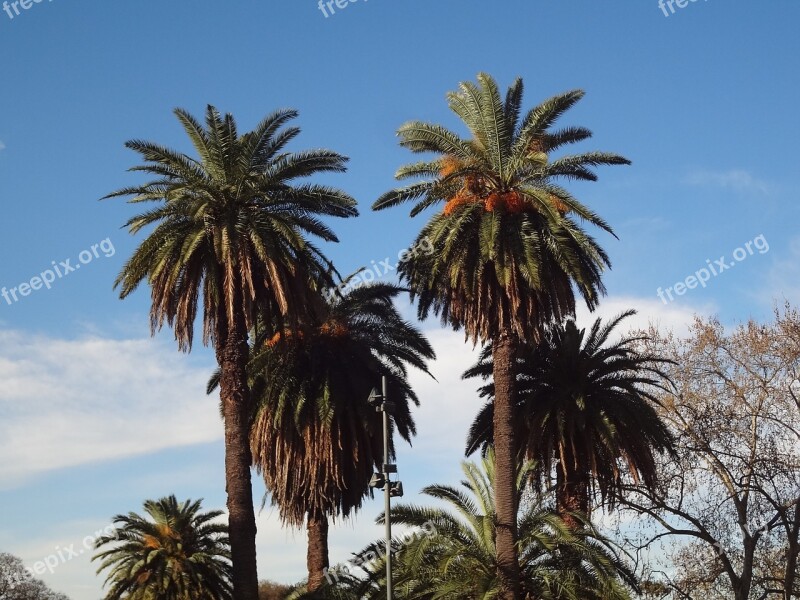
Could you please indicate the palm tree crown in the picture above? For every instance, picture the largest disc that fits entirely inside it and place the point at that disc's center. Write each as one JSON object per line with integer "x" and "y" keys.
{"x": 584, "y": 402}
{"x": 507, "y": 247}
{"x": 231, "y": 226}
{"x": 315, "y": 438}
{"x": 180, "y": 553}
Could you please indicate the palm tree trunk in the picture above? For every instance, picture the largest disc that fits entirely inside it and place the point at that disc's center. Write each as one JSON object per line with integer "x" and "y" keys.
{"x": 232, "y": 353}
{"x": 572, "y": 492}
{"x": 504, "y": 351}
{"x": 317, "y": 555}
{"x": 572, "y": 496}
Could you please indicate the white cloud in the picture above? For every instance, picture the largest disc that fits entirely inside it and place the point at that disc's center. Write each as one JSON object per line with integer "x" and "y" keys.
{"x": 738, "y": 180}
{"x": 674, "y": 317}
{"x": 782, "y": 282}
{"x": 2, "y": 145}
{"x": 447, "y": 404}
{"x": 66, "y": 403}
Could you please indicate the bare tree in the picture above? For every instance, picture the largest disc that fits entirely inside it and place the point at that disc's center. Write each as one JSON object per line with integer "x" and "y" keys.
{"x": 16, "y": 582}
{"x": 728, "y": 510}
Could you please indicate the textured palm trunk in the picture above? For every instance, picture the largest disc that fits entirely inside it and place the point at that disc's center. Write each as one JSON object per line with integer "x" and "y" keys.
{"x": 572, "y": 492}
{"x": 232, "y": 353}
{"x": 505, "y": 486}
{"x": 317, "y": 555}
{"x": 572, "y": 496}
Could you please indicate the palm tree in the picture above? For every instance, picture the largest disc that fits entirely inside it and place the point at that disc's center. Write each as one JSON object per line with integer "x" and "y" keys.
{"x": 583, "y": 404}
{"x": 507, "y": 249}
{"x": 179, "y": 553}
{"x": 230, "y": 232}
{"x": 452, "y": 554}
{"x": 315, "y": 438}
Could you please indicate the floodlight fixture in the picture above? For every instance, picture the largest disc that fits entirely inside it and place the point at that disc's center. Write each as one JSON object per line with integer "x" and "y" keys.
{"x": 396, "y": 489}
{"x": 378, "y": 481}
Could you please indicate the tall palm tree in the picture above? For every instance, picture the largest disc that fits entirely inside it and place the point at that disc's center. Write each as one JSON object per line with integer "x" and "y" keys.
{"x": 507, "y": 249}
{"x": 453, "y": 555}
{"x": 315, "y": 438}
{"x": 583, "y": 404}
{"x": 231, "y": 232}
{"x": 179, "y": 553}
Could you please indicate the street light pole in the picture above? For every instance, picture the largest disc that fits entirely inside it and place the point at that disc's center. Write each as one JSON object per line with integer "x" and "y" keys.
{"x": 387, "y": 491}
{"x": 383, "y": 480}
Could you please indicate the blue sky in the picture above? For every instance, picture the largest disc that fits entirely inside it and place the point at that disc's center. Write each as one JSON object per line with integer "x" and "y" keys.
{"x": 95, "y": 416}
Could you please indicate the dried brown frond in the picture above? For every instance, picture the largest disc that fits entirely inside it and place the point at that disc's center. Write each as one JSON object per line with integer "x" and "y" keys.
{"x": 449, "y": 165}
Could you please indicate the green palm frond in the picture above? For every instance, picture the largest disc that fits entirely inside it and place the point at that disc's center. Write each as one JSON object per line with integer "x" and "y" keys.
{"x": 509, "y": 249}
{"x": 230, "y": 227}
{"x": 178, "y": 553}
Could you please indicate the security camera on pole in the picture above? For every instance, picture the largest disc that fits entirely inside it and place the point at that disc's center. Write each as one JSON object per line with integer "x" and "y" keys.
{"x": 382, "y": 480}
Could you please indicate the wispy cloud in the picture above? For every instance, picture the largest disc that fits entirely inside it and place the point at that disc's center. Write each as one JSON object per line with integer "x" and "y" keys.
{"x": 2, "y": 146}
{"x": 781, "y": 282}
{"x": 737, "y": 180}
{"x": 66, "y": 403}
{"x": 649, "y": 311}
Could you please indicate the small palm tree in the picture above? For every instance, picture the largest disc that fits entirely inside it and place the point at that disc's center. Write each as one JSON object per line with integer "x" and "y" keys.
{"x": 507, "y": 249}
{"x": 315, "y": 438}
{"x": 230, "y": 234}
{"x": 179, "y": 553}
{"x": 453, "y": 556}
{"x": 584, "y": 405}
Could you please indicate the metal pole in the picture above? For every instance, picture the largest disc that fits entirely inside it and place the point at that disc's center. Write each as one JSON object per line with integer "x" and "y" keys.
{"x": 387, "y": 492}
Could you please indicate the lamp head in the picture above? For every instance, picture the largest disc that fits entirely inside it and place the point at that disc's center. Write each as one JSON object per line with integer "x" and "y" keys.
{"x": 378, "y": 481}
{"x": 375, "y": 397}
